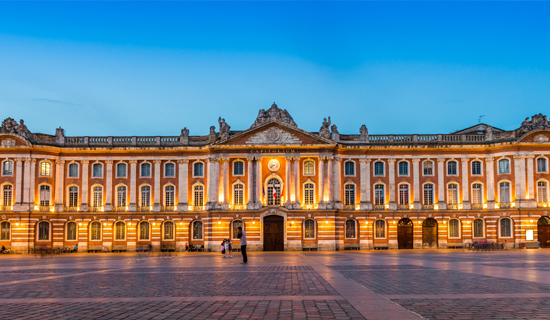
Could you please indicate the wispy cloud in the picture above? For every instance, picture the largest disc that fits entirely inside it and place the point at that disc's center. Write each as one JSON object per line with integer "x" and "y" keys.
{"x": 60, "y": 102}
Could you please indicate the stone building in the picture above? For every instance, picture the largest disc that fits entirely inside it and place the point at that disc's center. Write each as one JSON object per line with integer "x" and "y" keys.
{"x": 290, "y": 189}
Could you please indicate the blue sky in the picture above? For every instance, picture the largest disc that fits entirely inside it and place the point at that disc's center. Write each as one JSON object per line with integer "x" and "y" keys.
{"x": 142, "y": 68}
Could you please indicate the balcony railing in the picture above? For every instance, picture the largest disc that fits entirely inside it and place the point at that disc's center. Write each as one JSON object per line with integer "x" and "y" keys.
{"x": 95, "y": 209}
{"x": 477, "y": 206}
{"x": 6, "y": 208}
{"x": 349, "y": 207}
{"x": 504, "y": 205}
{"x": 143, "y": 209}
{"x": 453, "y": 206}
{"x": 45, "y": 208}
{"x": 196, "y": 208}
{"x": 403, "y": 207}
{"x": 543, "y": 204}
{"x": 168, "y": 208}
{"x": 379, "y": 207}
{"x": 70, "y": 209}
{"x": 237, "y": 207}
{"x": 119, "y": 209}
{"x": 427, "y": 207}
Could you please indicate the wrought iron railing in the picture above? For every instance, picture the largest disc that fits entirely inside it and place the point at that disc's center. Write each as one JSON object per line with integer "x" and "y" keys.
{"x": 379, "y": 207}
{"x": 70, "y": 208}
{"x": 453, "y": 206}
{"x": 6, "y": 208}
{"x": 504, "y": 205}
{"x": 403, "y": 207}
{"x": 543, "y": 204}
{"x": 143, "y": 209}
{"x": 349, "y": 207}
{"x": 477, "y": 206}
{"x": 427, "y": 206}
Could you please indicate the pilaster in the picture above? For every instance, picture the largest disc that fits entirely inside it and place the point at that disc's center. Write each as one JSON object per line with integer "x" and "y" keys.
{"x": 391, "y": 176}
{"x": 59, "y": 175}
{"x": 417, "y": 205}
{"x": 441, "y": 184}
{"x": 157, "y": 195}
{"x": 489, "y": 165}
{"x": 465, "y": 185}
{"x": 108, "y": 185}
{"x": 183, "y": 184}
{"x": 84, "y": 193}
{"x": 250, "y": 182}
{"x": 133, "y": 167}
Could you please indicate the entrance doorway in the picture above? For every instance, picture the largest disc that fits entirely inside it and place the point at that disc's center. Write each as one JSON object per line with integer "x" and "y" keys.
{"x": 274, "y": 233}
{"x": 429, "y": 234}
{"x": 405, "y": 234}
{"x": 544, "y": 232}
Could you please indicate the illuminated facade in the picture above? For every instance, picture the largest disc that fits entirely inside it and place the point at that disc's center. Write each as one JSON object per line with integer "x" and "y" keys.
{"x": 290, "y": 189}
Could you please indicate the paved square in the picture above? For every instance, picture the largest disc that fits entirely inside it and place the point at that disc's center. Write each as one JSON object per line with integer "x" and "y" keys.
{"x": 438, "y": 284}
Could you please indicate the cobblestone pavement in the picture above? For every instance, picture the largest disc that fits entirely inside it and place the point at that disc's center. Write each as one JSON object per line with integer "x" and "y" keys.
{"x": 432, "y": 284}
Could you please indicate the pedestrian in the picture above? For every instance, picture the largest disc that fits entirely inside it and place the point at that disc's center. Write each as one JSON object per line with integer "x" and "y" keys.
{"x": 229, "y": 248}
{"x": 223, "y": 248}
{"x": 242, "y": 236}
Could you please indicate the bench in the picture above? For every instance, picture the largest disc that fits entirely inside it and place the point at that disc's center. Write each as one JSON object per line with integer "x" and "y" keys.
{"x": 531, "y": 245}
{"x": 143, "y": 248}
{"x": 119, "y": 248}
{"x": 95, "y": 248}
{"x": 196, "y": 248}
{"x": 457, "y": 246}
{"x": 168, "y": 248}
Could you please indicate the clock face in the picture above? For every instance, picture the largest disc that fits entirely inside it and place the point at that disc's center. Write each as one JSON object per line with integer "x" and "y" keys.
{"x": 273, "y": 165}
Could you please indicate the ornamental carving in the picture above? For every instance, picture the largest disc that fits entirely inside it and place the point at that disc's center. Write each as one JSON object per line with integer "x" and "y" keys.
{"x": 8, "y": 143}
{"x": 541, "y": 138}
{"x": 9, "y": 125}
{"x": 274, "y": 135}
{"x": 273, "y": 113}
{"x": 537, "y": 121}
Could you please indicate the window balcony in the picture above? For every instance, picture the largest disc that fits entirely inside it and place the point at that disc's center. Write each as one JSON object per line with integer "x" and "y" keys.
{"x": 310, "y": 206}
{"x": 196, "y": 208}
{"x": 120, "y": 209}
{"x": 403, "y": 207}
{"x": 454, "y": 206}
{"x": 428, "y": 207}
{"x": 6, "y": 208}
{"x": 168, "y": 208}
{"x": 96, "y": 209}
{"x": 505, "y": 205}
{"x": 478, "y": 206}
{"x": 349, "y": 207}
{"x": 379, "y": 207}
{"x": 44, "y": 208}
{"x": 237, "y": 207}
{"x": 144, "y": 208}
{"x": 70, "y": 209}
{"x": 543, "y": 204}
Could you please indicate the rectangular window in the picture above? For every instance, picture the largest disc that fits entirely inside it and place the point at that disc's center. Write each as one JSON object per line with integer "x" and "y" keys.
{"x": 71, "y": 231}
{"x": 98, "y": 197}
{"x": 452, "y": 194}
{"x": 379, "y": 168}
{"x": 73, "y": 197}
{"x": 7, "y": 195}
{"x": 478, "y": 228}
{"x": 542, "y": 192}
{"x": 7, "y": 168}
{"x": 380, "y": 226}
{"x": 504, "y": 192}
{"x": 379, "y": 195}
{"x": 45, "y": 169}
{"x": 145, "y": 196}
{"x": 169, "y": 170}
{"x": 504, "y": 166}
{"x": 403, "y": 194}
{"x": 238, "y": 194}
{"x": 349, "y": 168}
{"x": 168, "y": 230}
{"x": 169, "y": 196}
{"x": 477, "y": 193}
{"x": 452, "y": 168}
{"x": 505, "y": 228}
{"x": 349, "y": 197}
{"x": 309, "y": 194}
{"x": 428, "y": 194}
{"x": 454, "y": 228}
{"x": 73, "y": 170}
{"x": 121, "y": 170}
{"x": 97, "y": 170}
{"x": 121, "y": 196}
{"x": 309, "y": 229}
{"x": 198, "y": 169}
{"x": 44, "y": 196}
{"x": 428, "y": 168}
{"x": 350, "y": 229}
{"x": 238, "y": 168}
{"x": 403, "y": 168}
{"x": 145, "y": 170}
{"x": 541, "y": 165}
{"x": 476, "y": 168}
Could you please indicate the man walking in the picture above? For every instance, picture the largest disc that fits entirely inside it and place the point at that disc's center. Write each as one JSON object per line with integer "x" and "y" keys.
{"x": 242, "y": 237}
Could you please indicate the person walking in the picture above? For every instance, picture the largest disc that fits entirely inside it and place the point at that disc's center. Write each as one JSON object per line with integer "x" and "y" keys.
{"x": 229, "y": 248}
{"x": 242, "y": 237}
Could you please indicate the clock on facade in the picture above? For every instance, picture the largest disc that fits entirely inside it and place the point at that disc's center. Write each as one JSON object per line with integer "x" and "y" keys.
{"x": 273, "y": 165}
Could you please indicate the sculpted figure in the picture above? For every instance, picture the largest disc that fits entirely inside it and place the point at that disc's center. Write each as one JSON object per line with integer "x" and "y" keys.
{"x": 185, "y": 132}
{"x": 212, "y": 130}
{"x": 334, "y": 129}
{"x": 363, "y": 130}
{"x": 22, "y": 128}
{"x": 224, "y": 128}
{"x": 325, "y": 129}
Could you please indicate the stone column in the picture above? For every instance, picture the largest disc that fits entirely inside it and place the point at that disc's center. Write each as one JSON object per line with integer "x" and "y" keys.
{"x": 59, "y": 169}
{"x": 524, "y": 203}
{"x": 224, "y": 184}
{"x": 364, "y": 176}
{"x": 417, "y": 205}
{"x": 490, "y": 182}
{"x": 18, "y": 184}
{"x": 84, "y": 191}
{"x": 259, "y": 186}
{"x": 208, "y": 191}
{"x": 391, "y": 175}
{"x": 297, "y": 186}
{"x": 288, "y": 182}
{"x": 32, "y": 186}
{"x": 26, "y": 183}
{"x": 531, "y": 201}
{"x": 250, "y": 183}
{"x": 321, "y": 174}
{"x": 330, "y": 180}
{"x": 465, "y": 185}
{"x": 157, "y": 195}
{"x": 183, "y": 184}
{"x": 109, "y": 185}
{"x": 133, "y": 167}
{"x": 441, "y": 184}
{"x": 338, "y": 183}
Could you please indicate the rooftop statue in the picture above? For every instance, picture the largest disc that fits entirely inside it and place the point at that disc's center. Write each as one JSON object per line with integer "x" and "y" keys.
{"x": 537, "y": 121}
{"x": 224, "y": 128}
{"x": 10, "y": 125}
{"x": 325, "y": 128}
{"x": 273, "y": 113}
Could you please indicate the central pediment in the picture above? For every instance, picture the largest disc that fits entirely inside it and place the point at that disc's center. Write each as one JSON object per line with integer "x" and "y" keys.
{"x": 274, "y": 135}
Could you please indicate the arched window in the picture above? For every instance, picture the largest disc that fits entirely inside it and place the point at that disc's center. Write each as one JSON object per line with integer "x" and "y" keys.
{"x": 309, "y": 168}
{"x": 169, "y": 196}
{"x": 44, "y": 195}
{"x": 145, "y": 196}
{"x": 169, "y": 170}
{"x": 145, "y": 170}
{"x": 198, "y": 195}
{"x": 403, "y": 194}
{"x": 478, "y": 228}
{"x": 121, "y": 196}
{"x": 452, "y": 168}
{"x": 428, "y": 168}
{"x": 273, "y": 192}
{"x": 542, "y": 191}
{"x": 350, "y": 229}
{"x": 238, "y": 194}
{"x": 73, "y": 196}
{"x": 73, "y": 170}
{"x": 452, "y": 194}
{"x": 503, "y": 166}
{"x": 235, "y": 228}
{"x": 454, "y": 228}
{"x": 197, "y": 230}
{"x": 95, "y": 231}
{"x": 403, "y": 167}
{"x": 504, "y": 194}
{"x": 97, "y": 197}
{"x": 477, "y": 193}
{"x": 378, "y": 168}
{"x": 349, "y": 168}
{"x": 168, "y": 230}
{"x": 238, "y": 168}
{"x": 505, "y": 228}
{"x": 121, "y": 170}
{"x": 428, "y": 194}
{"x": 5, "y": 229}
{"x": 7, "y": 195}
{"x": 380, "y": 229}
{"x": 43, "y": 231}
{"x": 349, "y": 194}
{"x": 144, "y": 230}
{"x": 97, "y": 170}
{"x": 379, "y": 195}
{"x": 71, "y": 231}
{"x": 45, "y": 169}
{"x": 309, "y": 229}
{"x": 7, "y": 168}
{"x": 476, "y": 168}
{"x": 309, "y": 193}
{"x": 120, "y": 231}
{"x": 198, "y": 169}
{"x": 541, "y": 165}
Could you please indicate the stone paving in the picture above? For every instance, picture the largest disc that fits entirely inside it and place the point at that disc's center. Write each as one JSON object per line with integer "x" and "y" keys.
{"x": 431, "y": 284}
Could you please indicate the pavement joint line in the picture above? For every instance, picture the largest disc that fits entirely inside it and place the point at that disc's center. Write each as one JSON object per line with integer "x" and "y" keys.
{"x": 468, "y": 296}
{"x": 53, "y": 277}
{"x": 172, "y": 299}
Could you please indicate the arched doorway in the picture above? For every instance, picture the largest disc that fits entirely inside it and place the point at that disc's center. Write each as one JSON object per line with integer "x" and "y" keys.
{"x": 405, "y": 234}
{"x": 274, "y": 233}
{"x": 544, "y": 232}
{"x": 429, "y": 234}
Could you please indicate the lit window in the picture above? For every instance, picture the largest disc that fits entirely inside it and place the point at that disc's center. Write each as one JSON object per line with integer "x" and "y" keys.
{"x": 73, "y": 170}
{"x": 97, "y": 200}
{"x": 95, "y": 231}
{"x": 379, "y": 194}
{"x": 428, "y": 194}
{"x": 403, "y": 194}
{"x": 477, "y": 193}
{"x": 145, "y": 170}
{"x": 309, "y": 194}
{"x": 43, "y": 231}
{"x": 120, "y": 231}
{"x": 380, "y": 229}
{"x": 428, "y": 168}
{"x": 198, "y": 169}
{"x": 144, "y": 230}
{"x": 121, "y": 170}
{"x": 71, "y": 231}
{"x": 7, "y": 168}
{"x": 309, "y": 229}
{"x": 73, "y": 197}
{"x": 5, "y": 229}
{"x": 198, "y": 195}
{"x": 504, "y": 188}
{"x": 169, "y": 196}
{"x": 45, "y": 169}
{"x": 44, "y": 196}
{"x": 350, "y": 229}
{"x": 273, "y": 192}
{"x": 478, "y": 228}
{"x": 97, "y": 170}
{"x": 379, "y": 168}
{"x": 476, "y": 168}
{"x": 504, "y": 166}
{"x": 238, "y": 168}
{"x": 403, "y": 168}
{"x": 541, "y": 165}
{"x": 7, "y": 195}
{"x": 454, "y": 228}
{"x": 452, "y": 194}
{"x": 235, "y": 228}
{"x": 542, "y": 191}
{"x": 168, "y": 230}
{"x": 506, "y": 227}
{"x": 309, "y": 168}
{"x": 349, "y": 195}
{"x": 169, "y": 170}
{"x": 197, "y": 230}
{"x": 452, "y": 168}
{"x": 349, "y": 168}
{"x": 121, "y": 196}
{"x": 238, "y": 194}
{"x": 145, "y": 196}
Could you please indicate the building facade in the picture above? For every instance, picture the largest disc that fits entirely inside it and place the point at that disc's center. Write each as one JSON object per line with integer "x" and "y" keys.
{"x": 288, "y": 188}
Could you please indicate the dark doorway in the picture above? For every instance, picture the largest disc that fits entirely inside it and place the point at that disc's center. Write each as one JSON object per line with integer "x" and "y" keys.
{"x": 405, "y": 234}
{"x": 429, "y": 234}
{"x": 274, "y": 233}
{"x": 544, "y": 232}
